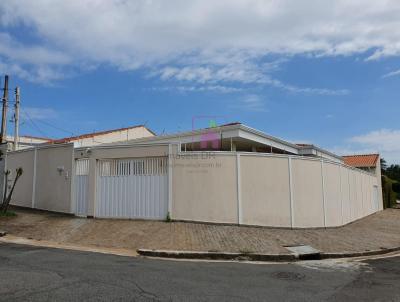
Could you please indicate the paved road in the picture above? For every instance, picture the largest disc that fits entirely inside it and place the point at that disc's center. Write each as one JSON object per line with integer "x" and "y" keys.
{"x": 42, "y": 274}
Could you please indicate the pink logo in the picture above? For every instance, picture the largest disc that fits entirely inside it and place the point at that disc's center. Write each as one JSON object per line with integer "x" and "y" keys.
{"x": 210, "y": 139}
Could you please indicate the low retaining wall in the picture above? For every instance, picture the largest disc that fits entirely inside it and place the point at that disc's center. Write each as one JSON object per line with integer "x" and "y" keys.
{"x": 270, "y": 190}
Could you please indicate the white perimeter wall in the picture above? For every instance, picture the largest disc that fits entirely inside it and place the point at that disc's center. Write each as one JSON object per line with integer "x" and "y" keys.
{"x": 268, "y": 190}
{"x": 42, "y": 185}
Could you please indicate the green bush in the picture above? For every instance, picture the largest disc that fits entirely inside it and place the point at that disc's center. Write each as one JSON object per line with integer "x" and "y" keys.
{"x": 389, "y": 196}
{"x": 396, "y": 187}
{"x": 8, "y": 214}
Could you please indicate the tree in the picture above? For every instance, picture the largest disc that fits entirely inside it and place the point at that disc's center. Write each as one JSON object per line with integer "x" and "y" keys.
{"x": 393, "y": 172}
{"x": 396, "y": 187}
{"x": 383, "y": 165}
{"x": 7, "y": 198}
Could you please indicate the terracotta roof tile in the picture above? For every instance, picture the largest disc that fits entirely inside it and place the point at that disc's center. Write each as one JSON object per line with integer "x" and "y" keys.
{"x": 362, "y": 160}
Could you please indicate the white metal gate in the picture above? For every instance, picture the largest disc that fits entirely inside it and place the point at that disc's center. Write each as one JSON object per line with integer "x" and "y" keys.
{"x": 132, "y": 188}
{"x": 81, "y": 179}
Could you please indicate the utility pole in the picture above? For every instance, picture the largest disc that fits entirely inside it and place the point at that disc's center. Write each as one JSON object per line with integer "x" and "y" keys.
{"x": 16, "y": 119}
{"x": 3, "y": 132}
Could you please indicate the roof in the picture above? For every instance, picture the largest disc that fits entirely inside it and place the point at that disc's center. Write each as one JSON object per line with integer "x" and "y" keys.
{"x": 37, "y": 137}
{"x": 177, "y": 137}
{"x": 11, "y": 137}
{"x": 361, "y": 160}
{"x": 229, "y": 130}
{"x": 93, "y": 134}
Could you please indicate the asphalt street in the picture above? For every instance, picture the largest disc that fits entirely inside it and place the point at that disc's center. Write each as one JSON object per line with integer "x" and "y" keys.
{"x": 42, "y": 274}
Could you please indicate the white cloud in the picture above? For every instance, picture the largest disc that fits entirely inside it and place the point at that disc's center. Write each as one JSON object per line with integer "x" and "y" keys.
{"x": 205, "y": 88}
{"x": 244, "y": 73}
{"x": 33, "y": 63}
{"x": 383, "y": 141}
{"x": 37, "y": 55}
{"x": 391, "y": 74}
{"x": 37, "y": 113}
{"x": 208, "y": 40}
{"x": 251, "y": 102}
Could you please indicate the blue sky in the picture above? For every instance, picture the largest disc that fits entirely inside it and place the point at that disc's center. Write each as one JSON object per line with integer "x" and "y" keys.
{"x": 303, "y": 71}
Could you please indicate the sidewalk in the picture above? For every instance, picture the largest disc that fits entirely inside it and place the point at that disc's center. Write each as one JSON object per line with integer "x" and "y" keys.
{"x": 381, "y": 230}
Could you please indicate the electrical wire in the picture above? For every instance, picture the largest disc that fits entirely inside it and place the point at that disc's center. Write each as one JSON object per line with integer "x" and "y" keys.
{"x": 33, "y": 123}
{"x": 56, "y": 127}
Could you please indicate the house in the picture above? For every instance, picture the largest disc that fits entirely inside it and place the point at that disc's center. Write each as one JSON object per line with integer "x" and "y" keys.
{"x": 232, "y": 174}
{"x": 366, "y": 162}
{"x": 108, "y": 136}
{"x": 235, "y": 137}
{"x": 26, "y": 141}
{"x": 85, "y": 140}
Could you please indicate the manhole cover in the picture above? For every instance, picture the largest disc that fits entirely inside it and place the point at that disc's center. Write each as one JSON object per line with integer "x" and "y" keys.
{"x": 289, "y": 276}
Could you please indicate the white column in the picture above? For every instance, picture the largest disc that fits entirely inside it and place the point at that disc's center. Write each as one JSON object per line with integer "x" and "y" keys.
{"x": 92, "y": 187}
{"x": 238, "y": 187}
{"x": 34, "y": 177}
{"x": 323, "y": 190}
{"x": 341, "y": 193}
{"x": 291, "y": 192}
{"x": 170, "y": 162}
{"x": 72, "y": 179}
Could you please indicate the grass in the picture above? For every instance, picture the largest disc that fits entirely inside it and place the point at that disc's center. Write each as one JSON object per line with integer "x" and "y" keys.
{"x": 8, "y": 214}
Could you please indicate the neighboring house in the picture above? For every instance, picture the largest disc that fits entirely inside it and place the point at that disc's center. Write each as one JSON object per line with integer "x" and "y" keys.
{"x": 236, "y": 175}
{"x": 366, "y": 162}
{"x": 108, "y": 136}
{"x": 27, "y": 141}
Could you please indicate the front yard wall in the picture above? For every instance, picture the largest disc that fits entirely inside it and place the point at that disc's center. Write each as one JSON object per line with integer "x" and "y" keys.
{"x": 271, "y": 190}
{"x": 46, "y": 181}
{"x": 205, "y": 189}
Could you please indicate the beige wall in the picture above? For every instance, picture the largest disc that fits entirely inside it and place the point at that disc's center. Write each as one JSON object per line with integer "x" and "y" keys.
{"x": 265, "y": 191}
{"x": 345, "y": 189}
{"x": 333, "y": 195}
{"x": 22, "y": 195}
{"x": 205, "y": 189}
{"x": 52, "y": 189}
{"x": 308, "y": 210}
{"x": 323, "y": 194}
{"x": 122, "y": 152}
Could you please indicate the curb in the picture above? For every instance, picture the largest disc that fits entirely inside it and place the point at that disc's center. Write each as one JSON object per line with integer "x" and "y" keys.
{"x": 360, "y": 254}
{"x": 217, "y": 255}
{"x": 258, "y": 257}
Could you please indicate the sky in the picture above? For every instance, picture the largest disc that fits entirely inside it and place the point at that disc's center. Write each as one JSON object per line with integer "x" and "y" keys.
{"x": 320, "y": 72}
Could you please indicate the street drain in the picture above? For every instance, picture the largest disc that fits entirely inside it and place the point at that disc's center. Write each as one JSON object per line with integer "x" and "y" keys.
{"x": 288, "y": 276}
{"x": 304, "y": 252}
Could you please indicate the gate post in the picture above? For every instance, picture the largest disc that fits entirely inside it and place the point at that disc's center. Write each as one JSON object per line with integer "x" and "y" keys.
{"x": 92, "y": 187}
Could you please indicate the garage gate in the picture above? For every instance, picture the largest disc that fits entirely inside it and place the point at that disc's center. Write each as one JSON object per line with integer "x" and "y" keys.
{"x": 132, "y": 188}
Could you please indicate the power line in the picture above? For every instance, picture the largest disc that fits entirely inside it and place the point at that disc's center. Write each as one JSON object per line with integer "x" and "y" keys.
{"x": 56, "y": 127}
{"x": 33, "y": 123}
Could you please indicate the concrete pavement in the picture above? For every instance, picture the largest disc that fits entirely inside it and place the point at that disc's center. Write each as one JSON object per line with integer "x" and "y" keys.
{"x": 375, "y": 232}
